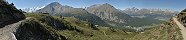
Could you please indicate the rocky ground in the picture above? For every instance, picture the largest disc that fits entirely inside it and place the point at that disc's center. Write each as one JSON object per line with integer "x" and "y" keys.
{"x": 7, "y": 32}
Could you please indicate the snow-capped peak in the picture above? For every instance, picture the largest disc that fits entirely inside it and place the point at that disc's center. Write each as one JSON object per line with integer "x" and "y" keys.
{"x": 33, "y": 9}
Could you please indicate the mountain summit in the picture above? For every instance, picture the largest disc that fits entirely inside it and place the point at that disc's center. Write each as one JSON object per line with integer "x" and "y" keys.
{"x": 55, "y": 4}
{"x": 54, "y": 7}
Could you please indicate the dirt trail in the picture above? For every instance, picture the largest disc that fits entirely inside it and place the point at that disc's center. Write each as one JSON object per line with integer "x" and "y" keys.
{"x": 6, "y": 33}
{"x": 183, "y": 29}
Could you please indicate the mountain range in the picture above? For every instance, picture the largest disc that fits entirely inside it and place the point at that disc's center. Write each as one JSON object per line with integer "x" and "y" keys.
{"x": 67, "y": 11}
{"x": 98, "y": 14}
{"x": 81, "y": 24}
{"x": 31, "y": 9}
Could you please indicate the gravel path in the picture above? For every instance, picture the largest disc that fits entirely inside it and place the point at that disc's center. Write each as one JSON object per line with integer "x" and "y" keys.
{"x": 183, "y": 29}
{"x": 6, "y": 33}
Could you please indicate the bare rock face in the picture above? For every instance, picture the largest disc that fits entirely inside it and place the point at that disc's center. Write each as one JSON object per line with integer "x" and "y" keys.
{"x": 9, "y": 14}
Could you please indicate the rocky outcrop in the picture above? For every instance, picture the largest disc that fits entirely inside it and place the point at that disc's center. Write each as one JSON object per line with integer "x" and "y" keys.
{"x": 9, "y": 14}
{"x": 57, "y": 24}
{"x": 33, "y": 30}
{"x": 6, "y": 33}
{"x": 182, "y": 17}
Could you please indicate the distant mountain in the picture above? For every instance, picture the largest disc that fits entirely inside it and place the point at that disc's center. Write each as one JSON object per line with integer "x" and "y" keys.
{"x": 108, "y": 12}
{"x": 57, "y": 9}
{"x": 31, "y": 9}
{"x": 116, "y": 17}
{"x": 104, "y": 13}
{"x": 153, "y": 13}
{"x": 53, "y": 8}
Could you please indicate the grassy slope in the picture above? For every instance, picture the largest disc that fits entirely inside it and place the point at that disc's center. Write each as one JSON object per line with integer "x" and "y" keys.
{"x": 82, "y": 30}
{"x": 167, "y": 31}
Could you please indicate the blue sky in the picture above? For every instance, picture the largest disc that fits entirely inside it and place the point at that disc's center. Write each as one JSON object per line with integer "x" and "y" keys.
{"x": 119, "y": 4}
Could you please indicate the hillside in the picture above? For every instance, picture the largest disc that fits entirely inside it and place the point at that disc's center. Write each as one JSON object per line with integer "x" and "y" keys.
{"x": 53, "y": 27}
{"x": 181, "y": 17}
{"x": 9, "y": 14}
{"x": 69, "y": 28}
{"x": 166, "y": 31}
